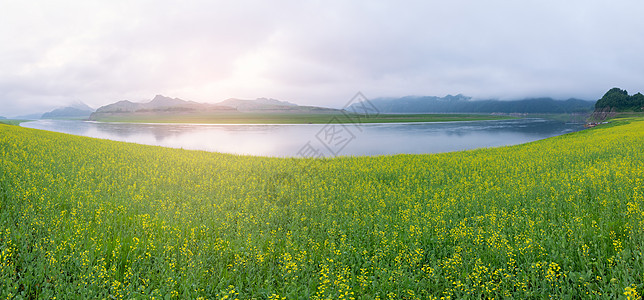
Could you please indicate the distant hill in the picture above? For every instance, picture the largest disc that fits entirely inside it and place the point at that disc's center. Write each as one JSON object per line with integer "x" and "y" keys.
{"x": 1, "y": 117}
{"x": 463, "y": 104}
{"x": 28, "y": 117}
{"x": 266, "y": 105}
{"x": 77, "y": 110}
{"x": 158, "y": 104}
{"x": 257, "y": 104}
{"x": 66, "y": 112}
{"x": 163, "y": 106}
{"x": 619, "y": 100}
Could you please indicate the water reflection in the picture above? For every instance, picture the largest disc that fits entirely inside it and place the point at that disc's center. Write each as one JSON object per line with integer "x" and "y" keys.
{"x": 287, "y": 140}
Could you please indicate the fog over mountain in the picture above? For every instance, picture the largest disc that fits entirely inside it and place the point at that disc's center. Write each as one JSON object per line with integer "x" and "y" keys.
{"x": 163, "y": 103}
{"x": 77, "y": 110}
{"x": 463, "y": 104}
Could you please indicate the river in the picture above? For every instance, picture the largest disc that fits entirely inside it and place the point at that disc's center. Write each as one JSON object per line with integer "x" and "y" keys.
{"x": 308, "y": 140}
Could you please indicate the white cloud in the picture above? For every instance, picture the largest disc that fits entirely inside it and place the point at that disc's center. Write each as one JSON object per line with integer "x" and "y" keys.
{"x": 313, "y": 52}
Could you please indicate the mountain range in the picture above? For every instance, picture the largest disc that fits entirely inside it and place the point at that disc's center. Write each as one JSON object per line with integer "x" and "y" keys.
{"x": 409, "y": 104}
{"x": 463, "y": 104}
{"x": 165, "y": 105}
{"x": 158, "y": 104}
{"x": 78, "y": 110}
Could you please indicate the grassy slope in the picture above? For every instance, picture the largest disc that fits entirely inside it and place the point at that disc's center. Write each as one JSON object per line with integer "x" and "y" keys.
{"x": 561, "y": 217}
{"x": 630, "y": 115}
{"x": 12, "y": 121}
{"x": 288, "y": 118}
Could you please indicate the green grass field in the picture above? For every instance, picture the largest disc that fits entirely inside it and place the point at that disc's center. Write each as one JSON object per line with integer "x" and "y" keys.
{"x": 88, "y": 218}
{"x": 11, "y": 121}
{"x": 289, "y": 118}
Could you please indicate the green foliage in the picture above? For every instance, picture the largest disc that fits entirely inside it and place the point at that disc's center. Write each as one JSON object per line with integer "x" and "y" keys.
{"x": 88, "y": 218}
{"x": 619, "y": 100}
{"x": 11, "y": 121}
{"x": 637, "y": 100}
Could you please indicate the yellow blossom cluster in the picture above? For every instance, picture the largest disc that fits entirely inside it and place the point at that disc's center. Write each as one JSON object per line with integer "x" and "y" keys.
{"x": 89, "y": 218}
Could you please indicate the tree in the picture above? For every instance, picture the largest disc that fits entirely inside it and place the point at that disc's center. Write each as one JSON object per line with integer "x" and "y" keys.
{"x": 619, "y": 99}
{"x": 638, "y": 101}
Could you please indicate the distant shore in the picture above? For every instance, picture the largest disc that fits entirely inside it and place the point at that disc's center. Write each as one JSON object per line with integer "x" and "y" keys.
{"x": 291, "y": 118}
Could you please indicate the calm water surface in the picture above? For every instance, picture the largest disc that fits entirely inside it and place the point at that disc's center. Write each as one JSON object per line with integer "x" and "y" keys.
{"x": 320, "y": 139}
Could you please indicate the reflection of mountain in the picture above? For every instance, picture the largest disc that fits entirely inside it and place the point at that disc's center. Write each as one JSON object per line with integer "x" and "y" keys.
{"x": 531, "y": 127}
{"x": 160, "y": 132}
{"x": 164, "y": 131}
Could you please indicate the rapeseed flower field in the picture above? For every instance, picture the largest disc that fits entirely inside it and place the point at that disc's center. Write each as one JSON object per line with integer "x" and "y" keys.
{"x": 88, "y": 218}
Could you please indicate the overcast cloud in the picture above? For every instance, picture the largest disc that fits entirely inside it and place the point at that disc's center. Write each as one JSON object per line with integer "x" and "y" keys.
{"x": 53, "y": 53}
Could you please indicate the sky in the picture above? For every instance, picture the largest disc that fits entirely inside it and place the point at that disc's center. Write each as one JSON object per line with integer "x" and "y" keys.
{"x": 53, "y": 53}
